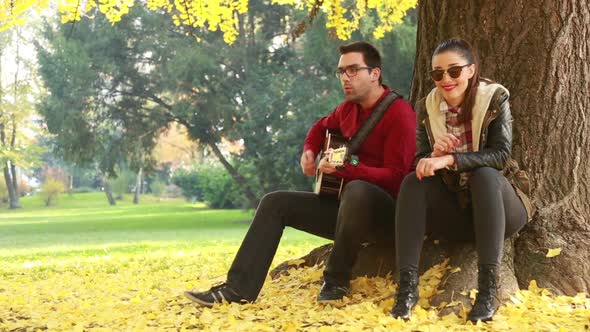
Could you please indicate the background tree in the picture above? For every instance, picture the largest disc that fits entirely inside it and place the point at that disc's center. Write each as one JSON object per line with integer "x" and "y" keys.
{"x": 91, "y": 128}
{"x": 18, "y": 91}
{"x": 212, "y": 89}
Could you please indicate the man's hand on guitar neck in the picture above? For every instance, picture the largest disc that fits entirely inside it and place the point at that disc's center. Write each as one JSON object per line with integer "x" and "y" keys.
{"x": 308, "y": 163}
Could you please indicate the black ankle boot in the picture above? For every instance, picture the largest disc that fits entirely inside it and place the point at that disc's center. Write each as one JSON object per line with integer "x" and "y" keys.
{"x": 407, "y": 294}
{"x": 486, "y": 302}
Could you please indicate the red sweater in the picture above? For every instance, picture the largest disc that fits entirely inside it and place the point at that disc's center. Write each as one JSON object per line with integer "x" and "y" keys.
{"x": 386, "y": 155}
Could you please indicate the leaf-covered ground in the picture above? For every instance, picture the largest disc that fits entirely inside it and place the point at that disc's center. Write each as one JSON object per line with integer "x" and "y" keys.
{"x": 50, "y": 281}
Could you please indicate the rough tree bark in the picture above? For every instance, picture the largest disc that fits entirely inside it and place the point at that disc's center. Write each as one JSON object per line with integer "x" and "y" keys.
{"x": 540, "y": 50}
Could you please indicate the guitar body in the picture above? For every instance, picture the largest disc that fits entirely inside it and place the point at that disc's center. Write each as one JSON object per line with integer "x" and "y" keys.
{"x": 330, "y": 185}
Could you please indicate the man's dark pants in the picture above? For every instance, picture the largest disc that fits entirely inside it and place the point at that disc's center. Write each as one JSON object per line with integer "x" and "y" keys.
{"x": 365, "y": 213}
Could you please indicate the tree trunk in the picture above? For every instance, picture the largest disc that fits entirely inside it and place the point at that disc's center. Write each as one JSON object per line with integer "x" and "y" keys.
{"x": 16, "y": 203}
{"x": 108, "y": 190}
{"x": 235, "y": 175}
{"x": 12, "y": 192}
{"x": 14, "y": 178}
{"x": 539, "y": 50}
{"x": 138, "y": 182}
{"x": 10, "y": 166}
{"x": 142, "y": 186}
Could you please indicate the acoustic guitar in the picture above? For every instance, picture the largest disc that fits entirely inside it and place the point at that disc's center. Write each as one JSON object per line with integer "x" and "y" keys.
{"x": 335, "y": 146}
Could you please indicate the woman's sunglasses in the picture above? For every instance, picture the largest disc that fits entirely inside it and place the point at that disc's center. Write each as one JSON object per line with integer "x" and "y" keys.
{"x": 454, "y": 72}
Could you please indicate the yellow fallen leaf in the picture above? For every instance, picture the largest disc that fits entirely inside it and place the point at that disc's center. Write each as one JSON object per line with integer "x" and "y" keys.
{"x": 296, "y": 262}
{"x": 553, "y": 252}
{"x": 453, "y": 304}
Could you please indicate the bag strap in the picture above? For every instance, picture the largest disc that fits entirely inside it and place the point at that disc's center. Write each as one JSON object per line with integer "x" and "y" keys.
{"x": 359, "y": 137}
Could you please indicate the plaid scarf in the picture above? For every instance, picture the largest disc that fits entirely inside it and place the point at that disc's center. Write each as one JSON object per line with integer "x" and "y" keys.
{"x": 460, "y": 130}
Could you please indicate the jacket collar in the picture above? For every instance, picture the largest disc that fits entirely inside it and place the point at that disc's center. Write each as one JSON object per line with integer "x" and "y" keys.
{"x": 485, "y": 94}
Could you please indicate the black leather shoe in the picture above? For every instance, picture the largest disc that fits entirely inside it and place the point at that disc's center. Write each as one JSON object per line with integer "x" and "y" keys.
{"x": 407, "y": 294}
{"x": 486, "y": 301}
{"x": 217, "y": 294}
{"x": 330, "y": 293}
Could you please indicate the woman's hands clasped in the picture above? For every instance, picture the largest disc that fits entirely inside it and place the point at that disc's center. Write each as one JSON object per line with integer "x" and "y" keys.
{"x": 439, "y": 158}
{"x": 444, "y": 145}
{"x": 427, "y": 166}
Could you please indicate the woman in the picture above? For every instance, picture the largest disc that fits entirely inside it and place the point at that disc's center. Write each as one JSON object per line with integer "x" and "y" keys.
{"x": 458, "y": 190}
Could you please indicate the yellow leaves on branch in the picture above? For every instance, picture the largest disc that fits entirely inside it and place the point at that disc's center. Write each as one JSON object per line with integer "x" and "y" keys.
{"x": 113, "y": 9}
{"x": 212, "y": 15}
{"x": 342, "y": 16}
{"x": 12, "y": 11}
{"x": 345, "y": 16}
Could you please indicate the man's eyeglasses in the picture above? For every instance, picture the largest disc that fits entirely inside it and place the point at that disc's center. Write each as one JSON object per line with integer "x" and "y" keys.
{"x": 349, "y": 71}
{"x": 454, "y": 72}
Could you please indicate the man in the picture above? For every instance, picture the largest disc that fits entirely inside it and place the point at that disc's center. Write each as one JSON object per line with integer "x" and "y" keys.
{"x": 367, "y": 205}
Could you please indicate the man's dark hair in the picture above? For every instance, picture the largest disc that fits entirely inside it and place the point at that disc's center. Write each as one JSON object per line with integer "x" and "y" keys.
{"x": 370, "y": 54}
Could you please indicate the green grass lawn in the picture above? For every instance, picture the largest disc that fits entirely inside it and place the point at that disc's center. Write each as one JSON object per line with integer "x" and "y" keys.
{"x": 85, "y": 225}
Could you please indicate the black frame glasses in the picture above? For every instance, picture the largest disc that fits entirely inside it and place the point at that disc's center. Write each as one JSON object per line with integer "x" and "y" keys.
{"x": 351, "y": 71}
{"x": 454, "y": 72}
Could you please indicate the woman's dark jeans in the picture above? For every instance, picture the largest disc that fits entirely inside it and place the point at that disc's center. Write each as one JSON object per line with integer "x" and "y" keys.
{"x": 494, "y": 214}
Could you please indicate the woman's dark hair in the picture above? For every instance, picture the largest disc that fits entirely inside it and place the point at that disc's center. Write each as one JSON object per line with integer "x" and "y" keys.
{"x": 464, "y": 49}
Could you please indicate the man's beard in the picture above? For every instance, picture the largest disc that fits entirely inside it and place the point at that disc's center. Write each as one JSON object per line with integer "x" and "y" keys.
{"x": 353, "y": 98}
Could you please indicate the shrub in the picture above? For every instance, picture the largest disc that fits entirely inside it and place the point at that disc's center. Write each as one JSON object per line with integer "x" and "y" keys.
{"x": 24, "y": 188}
{"x": 188, "y": 182}
{"x": 173, "y": 191}
{"x": 220, "y": 191}
{"x": 158, "y": 187}
{"x": 50, "y": 190}
{"x": 80, "y": 190}
{"x": 121, "y": 184}
{"x": 211, "y": 184}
